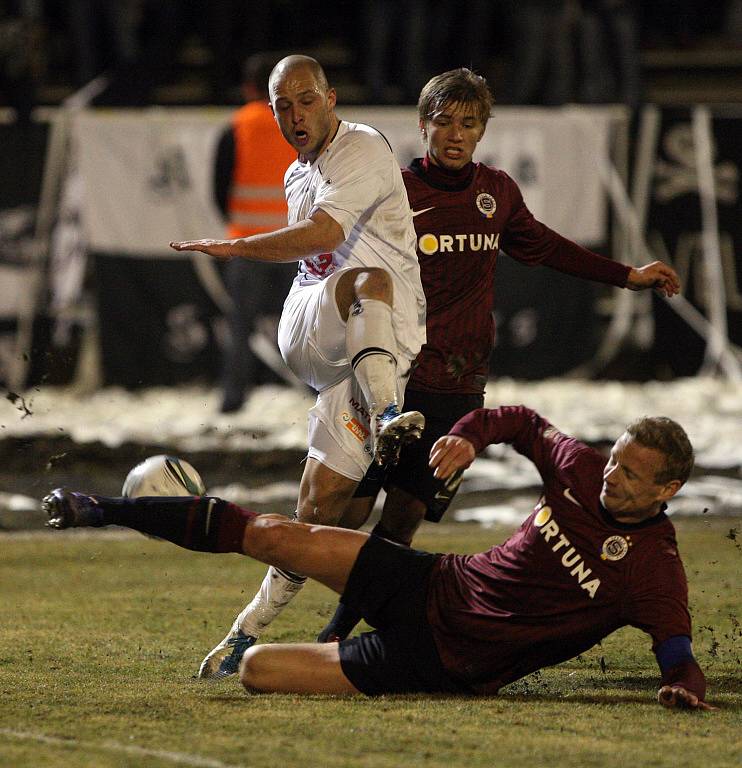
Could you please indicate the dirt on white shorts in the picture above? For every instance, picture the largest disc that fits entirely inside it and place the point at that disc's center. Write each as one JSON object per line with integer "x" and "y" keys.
{"x": 311, "y": 337}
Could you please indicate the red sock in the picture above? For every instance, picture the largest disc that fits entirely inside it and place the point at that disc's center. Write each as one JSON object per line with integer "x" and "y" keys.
{"x": 200, "y": 523}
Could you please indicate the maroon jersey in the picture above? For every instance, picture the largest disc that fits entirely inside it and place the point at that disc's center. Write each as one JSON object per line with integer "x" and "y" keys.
{"x": 567, "y": 578}
{"x": 462, "y": 220}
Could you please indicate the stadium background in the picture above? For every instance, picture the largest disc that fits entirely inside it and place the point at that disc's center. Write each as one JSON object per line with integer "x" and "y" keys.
{"x": 107, "y": 144}
{"x": 110, "y": 344}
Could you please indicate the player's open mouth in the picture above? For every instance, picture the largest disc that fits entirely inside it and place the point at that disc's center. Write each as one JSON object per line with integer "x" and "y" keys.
{"x": 301, "y": 137}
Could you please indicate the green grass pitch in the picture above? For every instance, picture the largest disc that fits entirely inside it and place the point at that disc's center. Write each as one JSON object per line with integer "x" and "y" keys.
{"x": 101, "y": 636}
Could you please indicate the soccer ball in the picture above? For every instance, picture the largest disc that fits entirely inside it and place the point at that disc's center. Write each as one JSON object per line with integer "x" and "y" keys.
{"x": 163, "y": 476}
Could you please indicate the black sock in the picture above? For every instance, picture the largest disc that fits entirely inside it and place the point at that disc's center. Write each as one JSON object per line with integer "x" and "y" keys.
{"x": 385, "y": 533}
{"x": 200, "y": 523}
{"x": 345, "y": 619}
{"x": 340, "y": 625}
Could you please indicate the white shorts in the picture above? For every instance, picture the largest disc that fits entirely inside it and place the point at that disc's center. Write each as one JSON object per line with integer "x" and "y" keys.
{"x": 311, "y": 337}
{"x": 311, "y": 334}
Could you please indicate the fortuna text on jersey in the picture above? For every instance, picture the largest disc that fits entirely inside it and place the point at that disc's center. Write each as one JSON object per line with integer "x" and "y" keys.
{"x": 474, "y": 241}
{"x": 571, "y": 558}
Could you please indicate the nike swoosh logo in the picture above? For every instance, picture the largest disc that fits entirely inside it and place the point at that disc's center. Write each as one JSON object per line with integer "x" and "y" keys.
{"x": 424, "y": 210}
{"x": 568, "y": 495}
{"x": 450, "y": 487}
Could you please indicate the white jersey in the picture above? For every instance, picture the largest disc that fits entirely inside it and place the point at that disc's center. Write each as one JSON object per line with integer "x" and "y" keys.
{"x": 357, "y": 181}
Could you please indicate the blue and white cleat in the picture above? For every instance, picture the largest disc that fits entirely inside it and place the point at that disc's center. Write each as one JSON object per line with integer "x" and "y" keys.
{"x": 69, "y": 509}
{"x": 393, "y": 430}
{"x": 224, "y": 660}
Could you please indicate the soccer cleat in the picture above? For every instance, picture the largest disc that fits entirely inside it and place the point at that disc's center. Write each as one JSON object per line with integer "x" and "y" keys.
{"x": 224, "y": 660}
{"x": 69, "y": 509}
{"x": 393, "y": 430}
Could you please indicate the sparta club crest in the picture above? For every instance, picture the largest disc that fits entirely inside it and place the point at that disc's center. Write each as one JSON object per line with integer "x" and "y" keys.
{"x": 615, "y": 547}
{"x": 486, "y": 204}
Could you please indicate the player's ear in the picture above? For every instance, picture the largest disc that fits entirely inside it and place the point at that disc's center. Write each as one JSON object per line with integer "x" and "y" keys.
{"x": 332, "y": 98}
{"x": 670, "y": 489}
{"x": 423, "y": 131}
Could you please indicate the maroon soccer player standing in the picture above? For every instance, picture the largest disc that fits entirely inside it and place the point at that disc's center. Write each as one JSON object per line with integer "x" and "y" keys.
{"x": 597, "y": 553}
{"x": 464, "y": 213}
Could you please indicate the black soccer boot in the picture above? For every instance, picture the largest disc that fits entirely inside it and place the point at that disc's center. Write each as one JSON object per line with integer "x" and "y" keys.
{"x": 69, "y": 509}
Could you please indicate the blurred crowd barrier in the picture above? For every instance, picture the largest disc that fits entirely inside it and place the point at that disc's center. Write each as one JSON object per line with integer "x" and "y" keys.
{"x": 91, "y": 293}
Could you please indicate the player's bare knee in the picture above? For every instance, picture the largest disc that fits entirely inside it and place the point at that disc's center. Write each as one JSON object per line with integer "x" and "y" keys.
{"x": 320, "y": 507}
{"x": 265, "y": 535}
{"x": 373, "y": 283}
{"x": 251, "y": 673}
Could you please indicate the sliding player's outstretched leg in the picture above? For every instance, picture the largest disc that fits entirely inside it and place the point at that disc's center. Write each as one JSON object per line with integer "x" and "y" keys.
{"x": 209, "y": 524}
{"x": 200, "y": 523}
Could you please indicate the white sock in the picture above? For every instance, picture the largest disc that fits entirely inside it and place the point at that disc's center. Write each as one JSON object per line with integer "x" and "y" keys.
{"x": 275, "y": 593}
{"x": 372, "y": 349}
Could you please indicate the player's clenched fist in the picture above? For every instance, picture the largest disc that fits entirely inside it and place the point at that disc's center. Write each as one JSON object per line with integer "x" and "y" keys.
{"x": 449, "y": 454}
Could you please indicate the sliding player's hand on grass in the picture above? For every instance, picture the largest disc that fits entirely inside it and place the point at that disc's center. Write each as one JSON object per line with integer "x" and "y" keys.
{"x": 677, "y": 696}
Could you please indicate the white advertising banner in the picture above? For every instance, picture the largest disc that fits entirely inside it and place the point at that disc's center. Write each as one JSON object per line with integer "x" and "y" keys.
{"x": 147, "y": 175}
{"x": 551, "y": 153}
{"x": 147, "y": 178}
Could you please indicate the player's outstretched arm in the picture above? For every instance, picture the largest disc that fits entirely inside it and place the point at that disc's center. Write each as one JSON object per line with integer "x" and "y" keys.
{"x": 675, "y": 696}
{"x": 683, "y": 684}
{"x": 220, "y": 249}
{"x": 310, "y": 237}
{"x": 449, "y": 454}
{"x": 657, "y": 275}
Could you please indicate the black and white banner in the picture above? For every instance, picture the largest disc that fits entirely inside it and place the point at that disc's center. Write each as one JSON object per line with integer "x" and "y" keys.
{"x": 21, "y": 169}
{"x": 147, "y": 175}
{"x": 675, "y": 232}
{"x": 551, "y": 153}
{"x": 156, "y": 324}
{"x": 146, "y": 180}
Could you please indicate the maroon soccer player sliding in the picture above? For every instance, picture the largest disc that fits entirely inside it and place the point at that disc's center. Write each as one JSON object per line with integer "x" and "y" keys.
{"x": 596, "y": 554}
